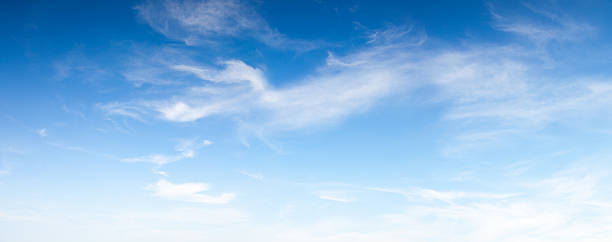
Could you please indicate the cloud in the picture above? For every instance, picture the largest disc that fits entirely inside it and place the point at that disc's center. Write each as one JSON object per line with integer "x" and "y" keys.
{"x": 123, "y": 109}
{"x": 255, "y": 176}
{"x": 448, "y": 197}
{"x": 156, "y": 159}
{"x": 492, "y": 91}
{"x": 211, "y": 21}
{"x": 334, "y": 196}
{"x": 570, "y": 205}
{"x": 344, "y": 86}
{"x": 161, "y": 173}
{"x": 477, "y": 83}
{"x": 541, "y": 26}
{"x": 185, "y": 150}
{"x": 188, "y": 192}
{"x": 552, "y": 210}
{"x": 392, "y": 34}
{"x": 42, "y": 132}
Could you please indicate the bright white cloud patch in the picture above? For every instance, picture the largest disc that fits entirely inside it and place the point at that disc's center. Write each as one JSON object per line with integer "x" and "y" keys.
{"x": 188, "y": 192}
{"x": 334, "y": 196}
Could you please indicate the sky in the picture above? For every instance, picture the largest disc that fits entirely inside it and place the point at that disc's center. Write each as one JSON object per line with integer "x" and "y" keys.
{"x": 309, "y": 120}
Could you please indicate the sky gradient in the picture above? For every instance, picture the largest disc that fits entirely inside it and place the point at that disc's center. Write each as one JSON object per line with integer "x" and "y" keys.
{"x": 331, "y": 121}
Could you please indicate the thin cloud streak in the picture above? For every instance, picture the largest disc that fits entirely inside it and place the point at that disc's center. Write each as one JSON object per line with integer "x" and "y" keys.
{"x": 185, "y": 150}
{"x": 188, "y": 192}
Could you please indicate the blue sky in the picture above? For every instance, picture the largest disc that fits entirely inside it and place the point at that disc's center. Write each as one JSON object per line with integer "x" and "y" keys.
{"x": 305, "y": 121}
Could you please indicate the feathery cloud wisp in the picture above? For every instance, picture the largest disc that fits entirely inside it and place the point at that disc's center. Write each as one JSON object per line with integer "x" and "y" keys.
{"x": 199, "y": 22}
{"x": 185, "y": 150}
{"x": 188, "y": 192}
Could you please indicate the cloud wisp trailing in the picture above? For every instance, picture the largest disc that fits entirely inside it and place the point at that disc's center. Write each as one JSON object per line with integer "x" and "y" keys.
{"x": 210, "y": 21}
{"x": 188, "y": 192}
{"x": 541, "y": 26}
{"x": 185, "y": 150}
{"x": 334, "y": 196}
{"x": 497, "y": 83}
{"x": 256, "y": 176}
{"x": 343, "y": 86}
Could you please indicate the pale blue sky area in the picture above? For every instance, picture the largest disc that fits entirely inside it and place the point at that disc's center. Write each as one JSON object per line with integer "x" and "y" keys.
{"x": 329, "y": 121}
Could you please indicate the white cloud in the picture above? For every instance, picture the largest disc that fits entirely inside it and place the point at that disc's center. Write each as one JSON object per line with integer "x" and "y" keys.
{"x": 255, "y": 176}
{"x": 404, "y": 35}
{"x": 185, "y": 150}
{"x": 448, "y": 197}
{"x": 156, "y": 159}
{"x": 542, "y": 27}
{"x": 342, "y": 87}
{"x": 334, "y": 197}
{"x": 42, "y": 132}
{"x": 124, "y": 109}
{"x": 161, "y": 173}
{"x": 207, "y": 142}
{"x": 549, "y": 209}
{"x": 493, "y": 91}
{"x": 188, "y": 192}
{"x": 536, "y": 217}
{"x": 571, "y": 205}
{"x": 478, "y": 83}
{"x": 210, "y": 21}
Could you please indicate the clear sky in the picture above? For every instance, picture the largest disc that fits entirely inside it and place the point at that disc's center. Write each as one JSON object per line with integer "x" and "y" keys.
{"x": 331, "y": 121}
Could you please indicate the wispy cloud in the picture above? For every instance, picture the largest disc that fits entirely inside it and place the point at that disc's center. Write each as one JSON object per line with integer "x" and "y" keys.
{"x": 448, "y": 197}
{"x": 211, "y": 21}
{"x": 42, "y": 132}
{"x": 334, "y": 196}
{"x": 185, "y": 150}
{"x": 345, "y": 85}
{"x": 543, "y": 26}
{"x": 567, "y": 206}
{"x": 549, "y": 210}
{"x": 255, "y": 176}
{"x": 500, "y": 84}
{"x": 123, "y": 109}
{"x": 157, "y": 158}
{"x": 188, "y": 192}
